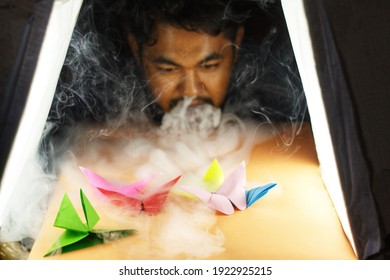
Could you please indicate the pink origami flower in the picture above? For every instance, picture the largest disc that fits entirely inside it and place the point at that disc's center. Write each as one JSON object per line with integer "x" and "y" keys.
{"x": 131, "y": 195}
{"x": 231, "y": 193}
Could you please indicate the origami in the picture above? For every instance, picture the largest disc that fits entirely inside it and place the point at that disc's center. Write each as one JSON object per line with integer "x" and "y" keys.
{"x": 79, "y": 235}
{"x": 225, "y": 196}
{"x": 131, "y": 195}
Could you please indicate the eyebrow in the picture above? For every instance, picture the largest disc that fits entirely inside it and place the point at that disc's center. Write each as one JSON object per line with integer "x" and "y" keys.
{"x": 164, "y": 60}
{"x": 212, "y": 56}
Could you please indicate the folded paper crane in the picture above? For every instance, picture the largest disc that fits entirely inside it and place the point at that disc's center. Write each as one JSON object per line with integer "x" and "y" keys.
{"x": 131, "y": 195}
{"x": 222, "y": 195}
{"x": 79, "y": 235}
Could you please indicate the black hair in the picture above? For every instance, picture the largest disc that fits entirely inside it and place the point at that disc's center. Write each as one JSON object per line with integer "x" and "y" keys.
{"x": 140, "y": 17}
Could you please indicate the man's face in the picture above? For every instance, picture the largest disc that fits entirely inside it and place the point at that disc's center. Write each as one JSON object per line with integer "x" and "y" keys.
{"x": 188, "y": 64}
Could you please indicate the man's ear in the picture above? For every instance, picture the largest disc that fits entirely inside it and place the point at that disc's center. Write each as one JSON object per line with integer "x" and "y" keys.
{"x": 134, "y": 47}
{"x": 237, "y": 42}
{"x": 239, "y": 36}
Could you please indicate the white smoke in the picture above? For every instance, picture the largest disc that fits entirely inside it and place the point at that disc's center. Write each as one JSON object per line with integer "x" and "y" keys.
{"x": 185, "y": 227}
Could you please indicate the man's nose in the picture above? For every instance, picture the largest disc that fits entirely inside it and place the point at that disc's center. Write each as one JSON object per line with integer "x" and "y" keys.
{"x": 191, "y": 85}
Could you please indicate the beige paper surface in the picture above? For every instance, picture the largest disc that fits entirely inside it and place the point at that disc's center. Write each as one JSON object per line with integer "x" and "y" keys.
{"x": 295, "y": 220}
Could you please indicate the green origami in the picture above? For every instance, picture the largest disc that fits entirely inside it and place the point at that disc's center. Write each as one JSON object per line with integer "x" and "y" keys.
{"x": 79, "y": 235}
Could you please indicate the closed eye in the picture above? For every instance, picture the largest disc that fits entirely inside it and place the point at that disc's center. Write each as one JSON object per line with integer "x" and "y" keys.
{"x": 167, "y": 69}
{"x": 209, "y": 66}
{"x": 211, "y": 62}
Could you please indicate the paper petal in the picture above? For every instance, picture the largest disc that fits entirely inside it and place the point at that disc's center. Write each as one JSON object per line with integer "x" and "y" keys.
{"x": 213, "y": 176}
{"x": 130, "y": 190}
{"x": 152, "y": 205}
{"x": 123, "y": 201}
{"x": 68, "y": 218}
{"x": 67, "y": 238}
{"x": 149, "y": 203}
{"x": 221, "y": 204}
{"x": 91, "y": 215}
{"x": 255, "y": 194}
{"x": 213, "y": 200}
{"x": 233, "y": 187}
{"x": 200, "y": 193}
{"x": 88, "y": 241}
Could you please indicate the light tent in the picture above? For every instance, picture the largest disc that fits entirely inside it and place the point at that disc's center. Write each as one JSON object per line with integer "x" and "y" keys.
{"x": 340, "y": 49}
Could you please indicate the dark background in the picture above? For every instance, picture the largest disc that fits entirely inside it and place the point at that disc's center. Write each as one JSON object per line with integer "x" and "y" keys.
{"x": 351, "y": 40}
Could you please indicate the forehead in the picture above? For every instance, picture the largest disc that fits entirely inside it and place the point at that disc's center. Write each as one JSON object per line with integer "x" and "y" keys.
{"x": 177, "y": 43}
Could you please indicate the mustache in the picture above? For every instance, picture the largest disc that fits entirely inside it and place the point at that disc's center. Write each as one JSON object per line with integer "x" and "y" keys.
{"x": 199, "y": 100}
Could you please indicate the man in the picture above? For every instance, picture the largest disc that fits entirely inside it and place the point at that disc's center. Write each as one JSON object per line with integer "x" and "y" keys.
{"x": 180, "y": 48}
{"x": 185, "y": 48}
{"x": 177, "y": 49}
